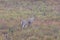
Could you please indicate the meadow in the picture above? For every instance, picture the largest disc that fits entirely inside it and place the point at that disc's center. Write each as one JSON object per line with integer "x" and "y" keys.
{"x": 45, "y": 27}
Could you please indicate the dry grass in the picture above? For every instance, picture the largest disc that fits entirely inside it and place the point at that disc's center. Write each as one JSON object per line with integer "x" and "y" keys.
{"x": 45, "y": 27}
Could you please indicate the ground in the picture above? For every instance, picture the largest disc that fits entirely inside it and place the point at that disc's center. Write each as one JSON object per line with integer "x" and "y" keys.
{"x": 45, "y": 27}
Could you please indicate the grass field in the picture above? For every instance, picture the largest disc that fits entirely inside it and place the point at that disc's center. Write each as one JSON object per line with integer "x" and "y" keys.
{"x": 45, "y": 27}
